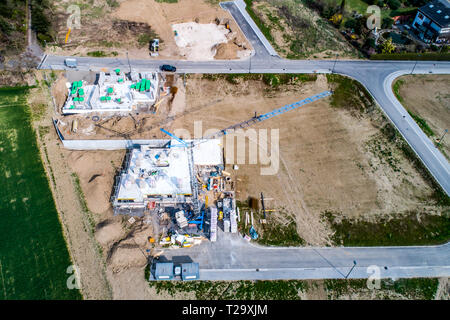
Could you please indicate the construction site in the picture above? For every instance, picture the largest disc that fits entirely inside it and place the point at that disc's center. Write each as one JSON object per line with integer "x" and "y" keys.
{"x": 192, "y": 29}
{"x": 165, "y": 175}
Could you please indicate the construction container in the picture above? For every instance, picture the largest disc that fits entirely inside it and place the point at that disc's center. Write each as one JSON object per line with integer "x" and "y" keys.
{"x": 164, "y": 271}
{"x": 190, "y": 271}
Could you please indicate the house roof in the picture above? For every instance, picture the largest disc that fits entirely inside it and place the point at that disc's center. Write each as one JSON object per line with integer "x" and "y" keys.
{"x": 438, "y": 11}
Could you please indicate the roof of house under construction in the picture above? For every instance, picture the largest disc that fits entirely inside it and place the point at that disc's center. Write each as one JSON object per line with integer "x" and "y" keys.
{"x": 164, "y": 171}
{"x": 114, "y": 92}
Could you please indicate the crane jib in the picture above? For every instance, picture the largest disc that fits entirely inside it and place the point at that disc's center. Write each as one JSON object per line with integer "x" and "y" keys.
{"x": 293, "y": 106}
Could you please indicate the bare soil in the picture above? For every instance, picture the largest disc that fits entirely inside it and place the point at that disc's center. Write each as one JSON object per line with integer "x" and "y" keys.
{"x": 116, "y": 30}
{"x": 428, "y": 96}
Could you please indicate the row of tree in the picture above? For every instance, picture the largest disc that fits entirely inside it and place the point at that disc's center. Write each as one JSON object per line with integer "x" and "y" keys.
{"x": 12, "y": 29}
{"x": 41, "y": 24}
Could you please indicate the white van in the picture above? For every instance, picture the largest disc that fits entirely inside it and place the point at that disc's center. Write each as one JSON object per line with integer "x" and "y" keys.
{"x": 70, "y": 62}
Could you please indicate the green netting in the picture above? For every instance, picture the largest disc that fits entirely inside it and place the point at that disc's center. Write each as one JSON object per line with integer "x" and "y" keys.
{"x": 81, "y": 99}
{"x": 80, "y": 84}
{"x": 147, "y": 84}
{"x": 102, "y": 98}
{"x": 110, "y": 90}
{"x": 81, "y": 92}
{"x": 74, "y": 91}
{"x": 108, "y": 98}
{"x": 76, "y": 99}
{"x": 72, "y": 106}
{"x": 120, "y": 80}
{"x": 117, "y": 71}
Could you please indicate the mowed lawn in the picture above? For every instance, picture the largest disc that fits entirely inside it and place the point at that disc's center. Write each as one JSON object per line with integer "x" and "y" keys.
{"x": 33, "y": 252}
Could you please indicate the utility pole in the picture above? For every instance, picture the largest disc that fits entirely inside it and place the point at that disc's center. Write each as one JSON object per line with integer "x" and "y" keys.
{"x": 335, "y": 60}
{"x": 440, "y": 140}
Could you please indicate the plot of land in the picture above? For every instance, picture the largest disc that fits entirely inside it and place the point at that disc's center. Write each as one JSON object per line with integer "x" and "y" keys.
{"x": 34, "y": 255}
{"x": 297, "y": 32}
{"x": 130, "y": 25}
{"x": 427, "y": 97}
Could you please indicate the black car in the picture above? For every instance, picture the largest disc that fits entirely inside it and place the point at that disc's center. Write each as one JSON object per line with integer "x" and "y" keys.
{"x": 168, "y": 67}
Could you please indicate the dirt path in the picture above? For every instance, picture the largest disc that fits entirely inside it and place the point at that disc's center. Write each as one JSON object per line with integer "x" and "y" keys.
{"x": 78, "y": 231}
{"x": 443, "y": 291}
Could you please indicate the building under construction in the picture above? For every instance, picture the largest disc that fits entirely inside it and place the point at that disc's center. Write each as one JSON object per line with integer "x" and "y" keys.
{"x": 159, "y": 175}
{"x": 156, "y": 180}
{"x": 114, "y": 91}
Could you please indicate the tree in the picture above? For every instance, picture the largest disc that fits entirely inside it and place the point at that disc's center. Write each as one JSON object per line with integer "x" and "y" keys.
{"x": 387, "y": 23}
{"x": 370, "y": 43}
{"x": 342, "y": 8}
{"x": 394, "y": 4}
{"x": 387, "y": 46}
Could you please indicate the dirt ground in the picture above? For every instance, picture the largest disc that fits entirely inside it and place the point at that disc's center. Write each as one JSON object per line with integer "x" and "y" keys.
{"x": 428, "y": 96}
{"x": 116, "y": 30}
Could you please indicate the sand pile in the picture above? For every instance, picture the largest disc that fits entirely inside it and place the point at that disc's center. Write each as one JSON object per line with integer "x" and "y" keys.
{"x": 95, "y": 172}
{"x": 109, "y": 233}
{"x": 126, "y": 256}
{"x": 226, "y": 51}
{"x": 198, "y": 41}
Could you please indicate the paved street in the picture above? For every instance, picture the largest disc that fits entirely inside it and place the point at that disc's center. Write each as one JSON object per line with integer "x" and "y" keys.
{"x": 231, "y": 258}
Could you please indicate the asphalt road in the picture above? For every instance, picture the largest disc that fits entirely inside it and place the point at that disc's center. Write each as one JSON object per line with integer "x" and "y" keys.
{"x": 231, "y": 258}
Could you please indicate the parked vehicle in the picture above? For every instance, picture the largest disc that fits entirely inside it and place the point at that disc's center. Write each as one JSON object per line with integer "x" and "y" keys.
{"x": 168, "y": 67}
{"x": 70, "y": 62}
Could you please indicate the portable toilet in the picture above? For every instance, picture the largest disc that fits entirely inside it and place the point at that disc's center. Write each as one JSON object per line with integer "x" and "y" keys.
{"x": 164, "y": 271}
{"x": 75, "y": 126}
{"x": 190, "y": 271}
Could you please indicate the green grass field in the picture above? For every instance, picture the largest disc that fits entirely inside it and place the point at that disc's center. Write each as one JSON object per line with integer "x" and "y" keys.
{"x": 33, "y": 252}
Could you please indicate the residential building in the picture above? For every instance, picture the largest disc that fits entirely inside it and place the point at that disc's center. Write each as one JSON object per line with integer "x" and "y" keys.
{"x": 432, "y": 21}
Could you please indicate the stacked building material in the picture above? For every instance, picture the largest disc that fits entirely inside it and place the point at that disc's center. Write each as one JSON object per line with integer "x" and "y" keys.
{"x": 181, "y": 219}
{"x": 213, "y": 231}
{"x": 226, "y": 225}
{"x": 233, "y": 217}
